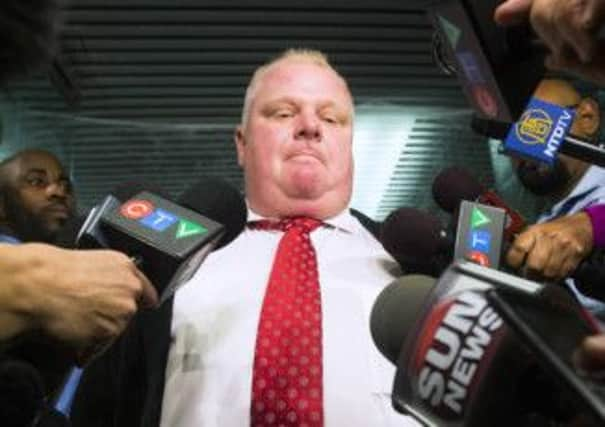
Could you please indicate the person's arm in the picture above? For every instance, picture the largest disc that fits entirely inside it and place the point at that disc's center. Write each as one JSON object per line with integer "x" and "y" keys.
{"x": 554, "y": 249}
{"x": 569, "y": 28}
{"x": 83, "y": 298}
{"x": 596, "y": 214}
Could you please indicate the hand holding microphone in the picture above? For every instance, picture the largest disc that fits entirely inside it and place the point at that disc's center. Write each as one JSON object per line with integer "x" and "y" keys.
{"x": 552, "y": 250}
{"x": 87, "y": 295}
{"x": 569, "y": 28}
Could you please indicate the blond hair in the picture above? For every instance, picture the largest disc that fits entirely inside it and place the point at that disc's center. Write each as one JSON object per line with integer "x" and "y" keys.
{"x": 310, "y": 56}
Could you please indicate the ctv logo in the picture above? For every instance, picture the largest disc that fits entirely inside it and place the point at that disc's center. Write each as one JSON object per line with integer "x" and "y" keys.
{"x": 160, "y": 220}
{"x": 479, "y": 240}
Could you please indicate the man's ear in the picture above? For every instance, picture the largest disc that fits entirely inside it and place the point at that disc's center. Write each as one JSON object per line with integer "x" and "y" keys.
{"x": 588, "y": 117}
{"x": 240, "y": 145}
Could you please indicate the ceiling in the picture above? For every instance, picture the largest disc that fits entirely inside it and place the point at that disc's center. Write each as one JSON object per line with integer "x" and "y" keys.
{"x": 154, "y": 90}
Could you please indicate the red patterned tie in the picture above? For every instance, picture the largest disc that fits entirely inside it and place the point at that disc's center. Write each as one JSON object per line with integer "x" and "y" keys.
{"x": 287, "y": 376}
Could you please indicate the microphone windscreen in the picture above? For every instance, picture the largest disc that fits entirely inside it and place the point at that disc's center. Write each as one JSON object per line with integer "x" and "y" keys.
{"x": 410, "y": 234}
{"x": 453, "y": 185}
{"x": 127, "y": 190}
{"x": 28, "y": 35}
{"x": 21, "y": 393}
{"x": 219, "y": 201}
{"x": 396, "y": 311}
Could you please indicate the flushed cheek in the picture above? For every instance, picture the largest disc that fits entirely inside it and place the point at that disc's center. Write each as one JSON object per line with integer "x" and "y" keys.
{"x": 282, "y": 136}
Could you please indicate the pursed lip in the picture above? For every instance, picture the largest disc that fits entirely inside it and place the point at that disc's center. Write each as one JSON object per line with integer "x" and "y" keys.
{"x": 305, "y": 153}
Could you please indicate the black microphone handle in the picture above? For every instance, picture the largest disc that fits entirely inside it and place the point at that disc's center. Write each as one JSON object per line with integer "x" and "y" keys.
{"x": 583, "y": 150}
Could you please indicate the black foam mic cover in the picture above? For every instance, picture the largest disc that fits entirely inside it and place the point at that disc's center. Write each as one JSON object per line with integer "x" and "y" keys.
{"x": 219, "y": 201}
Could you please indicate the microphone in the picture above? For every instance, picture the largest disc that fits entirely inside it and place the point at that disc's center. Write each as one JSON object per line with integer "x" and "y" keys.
{"x": 214, "y": 198}
{"x": 459, "y": 363}
{"x": 127, "y": 190}
{"x": 447, "y": 359}
{"x": 28, "y": 36}
{"x": 498, "y": 68}
{"x": 543, "y": 131}
{"x": 454, "y": 184}
{"x": 167, "y": 241}
{"x": 418, "y": 241}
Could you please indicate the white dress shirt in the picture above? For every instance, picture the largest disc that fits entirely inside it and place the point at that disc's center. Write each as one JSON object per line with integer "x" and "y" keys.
{"x": 216, "y": 314}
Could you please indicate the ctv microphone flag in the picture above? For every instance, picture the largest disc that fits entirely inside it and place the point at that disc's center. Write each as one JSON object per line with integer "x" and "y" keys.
{"x": 540, "y": 131}
{"x": 480, "y": 232}
{"x": 168, "y": 242}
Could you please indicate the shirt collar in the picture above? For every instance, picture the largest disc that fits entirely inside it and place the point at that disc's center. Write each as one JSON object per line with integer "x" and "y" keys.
{"x": 593, "y": 177}
{"x": 343, "y": 221}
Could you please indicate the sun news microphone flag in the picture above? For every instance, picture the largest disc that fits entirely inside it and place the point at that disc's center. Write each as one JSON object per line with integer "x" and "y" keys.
{"x": 461, "y": 363}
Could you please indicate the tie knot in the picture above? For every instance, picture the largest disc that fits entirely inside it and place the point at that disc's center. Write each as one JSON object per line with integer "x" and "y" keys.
{"x": 304, "y": 224}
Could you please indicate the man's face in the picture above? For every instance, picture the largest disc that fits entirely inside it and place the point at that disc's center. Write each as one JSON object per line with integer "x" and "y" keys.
{"x": 295, "y": 147}
{"x": 543, "y": 180}
{"x": 39, "y": 197}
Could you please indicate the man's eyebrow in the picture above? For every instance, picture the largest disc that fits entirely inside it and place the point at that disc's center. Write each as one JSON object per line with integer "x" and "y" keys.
{"x": 281, "y": 100}
{"x": 36, "y": 170}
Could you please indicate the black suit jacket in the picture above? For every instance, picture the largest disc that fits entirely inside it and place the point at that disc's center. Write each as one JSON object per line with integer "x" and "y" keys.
{"x": 125, "y": 386}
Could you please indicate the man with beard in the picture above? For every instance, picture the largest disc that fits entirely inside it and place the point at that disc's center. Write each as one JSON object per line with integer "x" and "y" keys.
{"x": 36, "y": 197}
{"x": 563, "y": 237}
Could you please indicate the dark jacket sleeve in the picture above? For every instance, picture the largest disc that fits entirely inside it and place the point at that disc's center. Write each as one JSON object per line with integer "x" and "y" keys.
{"x": 111, "y": 387}
{"x": 124, "y": 387}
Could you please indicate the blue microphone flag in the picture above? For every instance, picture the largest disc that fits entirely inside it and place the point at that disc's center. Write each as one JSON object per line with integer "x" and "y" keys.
{"x": 540, "y": 131}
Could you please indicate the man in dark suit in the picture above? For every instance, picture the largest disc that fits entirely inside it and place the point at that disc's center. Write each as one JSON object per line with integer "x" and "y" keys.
{"x": 274, "y": 327}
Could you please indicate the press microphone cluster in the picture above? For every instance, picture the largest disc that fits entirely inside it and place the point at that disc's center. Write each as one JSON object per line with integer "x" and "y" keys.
{"x": 463, "y": 360}
{"x": 422, "y": 244}
{"x": 454, "y": 185}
